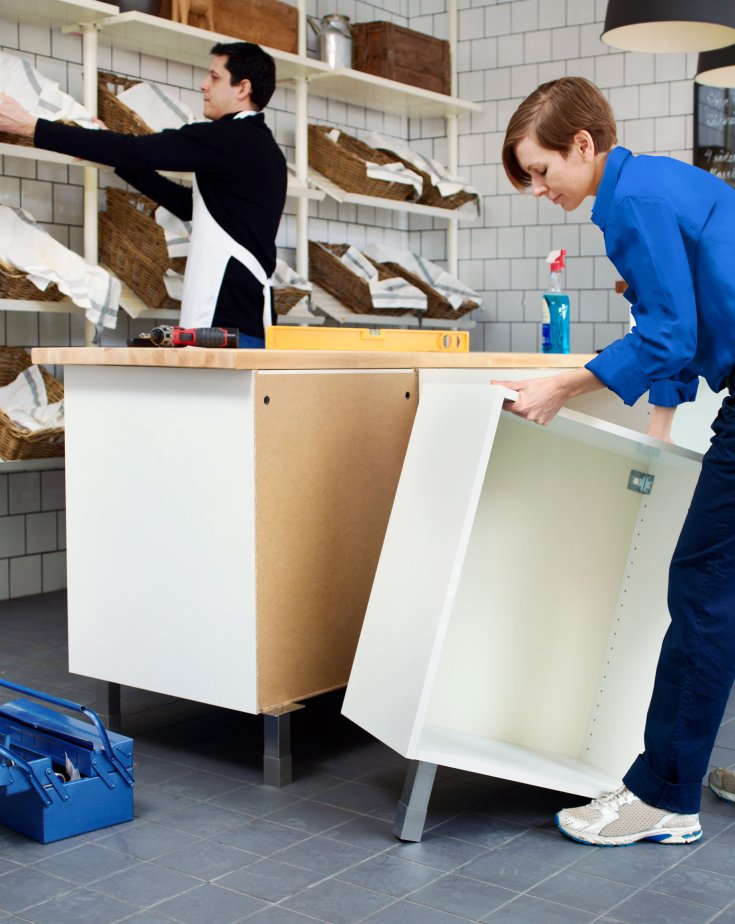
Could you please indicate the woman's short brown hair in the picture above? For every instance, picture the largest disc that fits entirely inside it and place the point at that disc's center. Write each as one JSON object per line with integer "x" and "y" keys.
{"x": 552, "y": 115}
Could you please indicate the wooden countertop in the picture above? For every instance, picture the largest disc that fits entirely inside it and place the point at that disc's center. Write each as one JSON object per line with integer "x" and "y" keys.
{"x": 197, "y": 358}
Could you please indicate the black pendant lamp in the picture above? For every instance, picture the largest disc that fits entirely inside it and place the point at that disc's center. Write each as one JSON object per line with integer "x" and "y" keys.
{"x": 669, "y": 25}
{"x": 717, "y": 68}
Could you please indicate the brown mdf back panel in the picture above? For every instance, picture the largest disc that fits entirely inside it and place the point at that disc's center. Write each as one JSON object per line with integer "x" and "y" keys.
{"x": 329, "y": 452}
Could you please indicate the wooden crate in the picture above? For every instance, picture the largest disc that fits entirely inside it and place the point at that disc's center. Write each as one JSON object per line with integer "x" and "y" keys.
{"x": 265, "y": 22}
{"x": 391, "y": 51}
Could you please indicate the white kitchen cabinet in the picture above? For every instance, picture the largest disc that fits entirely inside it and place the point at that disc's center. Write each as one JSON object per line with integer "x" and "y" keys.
{"x": 520, "y": 598}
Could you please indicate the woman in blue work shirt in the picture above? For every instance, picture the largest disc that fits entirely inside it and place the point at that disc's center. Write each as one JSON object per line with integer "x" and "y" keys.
{"x": 669, "y": 229}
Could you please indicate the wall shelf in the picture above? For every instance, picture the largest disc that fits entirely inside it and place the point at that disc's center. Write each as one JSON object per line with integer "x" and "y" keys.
{"x": 360, "y": 89}
{"x": 396, "y": 205}
{"x": 175, "y": 41}
{"x": 55, "y": 12}
{"x": 65, "y": 306}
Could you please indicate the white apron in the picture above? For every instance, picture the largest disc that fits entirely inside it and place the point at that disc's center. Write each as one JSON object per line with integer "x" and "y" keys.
{"x": 209, "y": 253}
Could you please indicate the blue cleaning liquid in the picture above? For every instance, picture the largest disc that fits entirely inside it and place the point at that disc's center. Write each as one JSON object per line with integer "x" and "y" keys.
{"x": 555, "y": 329}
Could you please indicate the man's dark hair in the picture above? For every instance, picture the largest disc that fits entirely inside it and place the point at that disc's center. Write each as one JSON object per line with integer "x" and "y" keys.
{"x": 247, "y": 61}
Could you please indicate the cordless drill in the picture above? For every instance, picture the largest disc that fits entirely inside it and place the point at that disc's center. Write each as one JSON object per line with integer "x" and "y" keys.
{"x": 168, "y": 336}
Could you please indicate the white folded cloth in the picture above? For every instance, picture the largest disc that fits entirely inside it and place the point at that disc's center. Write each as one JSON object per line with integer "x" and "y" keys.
{"x": 445, "y": 182}
{"x": 157, "y": 108}
{"x": 284, "y": 275}
{"x": 25, "y": 246}
{"x": 449, "y": 286}
{"x": 25, "y": 401}
{"x": 176, "y": 232}
{"x": 395, "y": 292}
{"x": 39, "y": 95}
{"x": 392, "y": 173}
{"x": 174, "y": 284}
{"x": 395, "y": 173}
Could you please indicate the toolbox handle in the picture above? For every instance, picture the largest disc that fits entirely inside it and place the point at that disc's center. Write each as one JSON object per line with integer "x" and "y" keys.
{"x": 74, "y": 707}
{"x": 23, "y": 765}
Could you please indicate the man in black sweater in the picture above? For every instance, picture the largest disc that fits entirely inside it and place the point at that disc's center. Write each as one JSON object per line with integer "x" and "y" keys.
{"x": 239, "y": 188}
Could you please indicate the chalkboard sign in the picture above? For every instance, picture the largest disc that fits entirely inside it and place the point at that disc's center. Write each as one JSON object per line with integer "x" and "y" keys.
{"x": 714, "y": 131}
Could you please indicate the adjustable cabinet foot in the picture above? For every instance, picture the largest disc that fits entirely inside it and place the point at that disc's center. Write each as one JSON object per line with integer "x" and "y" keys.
{"x": 107, "y": 700}
{"x": 277, "y": 761}
{"x": 412, "y": 809}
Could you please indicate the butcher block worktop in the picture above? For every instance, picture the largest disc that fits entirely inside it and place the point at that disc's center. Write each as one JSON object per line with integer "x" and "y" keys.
{"x": 196, "y": 358}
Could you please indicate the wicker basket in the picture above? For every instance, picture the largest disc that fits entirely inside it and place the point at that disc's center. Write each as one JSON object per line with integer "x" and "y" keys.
{"x": 25, "y": 140}
{"x": 344, "y": 161}
{"x": 115, "y": 114}
{"x": 15, "y": 441}
{"x": 437, "y": 306}
{"x": 285, "y": 297}
{"x": 327, "y": 270}
{"x": 133, "y": 245}
{"x": 430, "y": 195}
{"x": 15, "y": 284}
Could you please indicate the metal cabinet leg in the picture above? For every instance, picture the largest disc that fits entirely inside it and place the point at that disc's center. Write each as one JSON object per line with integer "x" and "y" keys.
{"x": 277, "y": 764}
{"x": 411, "y": 812}
{"x": 107, "y": 699}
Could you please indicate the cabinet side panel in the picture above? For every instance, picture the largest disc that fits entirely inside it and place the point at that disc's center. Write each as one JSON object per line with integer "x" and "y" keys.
{"x": 615, "y": 733}
{"x": 160, "y": 537}
{"x": 421, "y": 560}
{"x": 329, "y": 452}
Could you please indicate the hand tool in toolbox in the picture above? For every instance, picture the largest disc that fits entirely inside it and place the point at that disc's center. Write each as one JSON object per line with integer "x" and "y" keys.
{"x": 60, "y": 776}
{"x": 168, "y": 336}
{"x": 290, "y": 337}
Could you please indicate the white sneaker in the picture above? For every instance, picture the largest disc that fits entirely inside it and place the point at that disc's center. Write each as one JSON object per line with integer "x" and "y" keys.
{"x": 722, "y": 783}
{"x": 621, "y": 818}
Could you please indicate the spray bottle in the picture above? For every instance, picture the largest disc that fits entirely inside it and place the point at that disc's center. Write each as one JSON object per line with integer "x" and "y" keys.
{"x": 555, "y": 308}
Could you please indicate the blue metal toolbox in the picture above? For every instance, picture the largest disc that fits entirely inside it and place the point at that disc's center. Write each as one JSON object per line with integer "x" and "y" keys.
{"x": 60, "y": 776}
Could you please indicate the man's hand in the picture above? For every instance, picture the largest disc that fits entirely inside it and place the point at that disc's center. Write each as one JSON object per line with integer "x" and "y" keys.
{"x": 540, "y": 399}
{"x": 14, "y": 119}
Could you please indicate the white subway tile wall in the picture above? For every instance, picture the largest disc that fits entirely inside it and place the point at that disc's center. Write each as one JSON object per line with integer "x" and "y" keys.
{"x": 505, "y": 50}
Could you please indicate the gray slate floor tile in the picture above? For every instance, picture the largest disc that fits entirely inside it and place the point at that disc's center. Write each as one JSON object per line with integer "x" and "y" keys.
{"x": 23, "y": 887}
{"x": 270, "y": 880}
{"x": 406, "y": 912}
{"x": 460, "y": 895}
{"x": 479, "y": 829}
{"x": 207, "y": 860}
{"x": 508, "y": 869}
{"x": 444, "y": 853}
{"x": 81, "y": 906}
{"x": 147, "y": 882}
{"x": 581, "y": 890}
{"x": 323, "y": 855}
{"x": 656, "y": 908}
{"x": 390, "y": 874}
{"x": 209, "y": 903}
{"x": 696, "y": 885}
{"x": 528, "y": 910}
{"x": 261, "y": 837}
{"x": 145, "y": 840}
{"x": 337, "y": 902}
{"x": 86, "y": 863}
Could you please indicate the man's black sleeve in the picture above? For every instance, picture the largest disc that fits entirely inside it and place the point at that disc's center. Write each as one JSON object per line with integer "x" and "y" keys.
{"x": 172, "y": 196}
{"x": 192, "y": 147}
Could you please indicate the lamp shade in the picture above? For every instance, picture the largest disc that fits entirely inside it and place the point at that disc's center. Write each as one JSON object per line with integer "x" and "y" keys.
{"x": 717, "y": 68}
{"x": 669, "y": 25}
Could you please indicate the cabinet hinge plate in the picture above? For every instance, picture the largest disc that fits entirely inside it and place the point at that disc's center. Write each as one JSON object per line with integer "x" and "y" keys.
{"x": 640, "y": 482}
